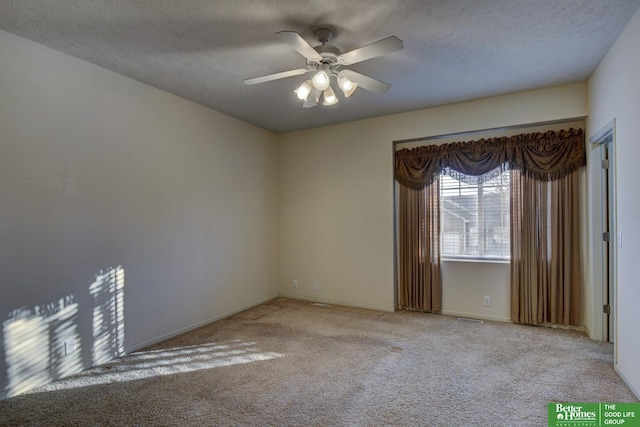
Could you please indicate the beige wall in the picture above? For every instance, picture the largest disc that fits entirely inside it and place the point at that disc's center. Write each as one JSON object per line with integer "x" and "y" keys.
{"x": 336, "y": 201}
{"x": 614, "y": 93}
{"x": 99, "y": 171}
{"x": 466, "y": 283}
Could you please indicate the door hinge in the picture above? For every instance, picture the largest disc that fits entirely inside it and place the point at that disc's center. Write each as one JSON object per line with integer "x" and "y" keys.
{"x": 605, "y": 164}
{"x": 606, "y": 309}
{"x": 606, "y": 236}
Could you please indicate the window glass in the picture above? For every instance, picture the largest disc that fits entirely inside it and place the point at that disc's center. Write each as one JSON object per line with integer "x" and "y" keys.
{"x": 475, "y": 217}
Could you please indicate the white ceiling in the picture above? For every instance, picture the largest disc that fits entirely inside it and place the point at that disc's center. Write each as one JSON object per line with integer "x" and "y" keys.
{"x": 455, "y": 50}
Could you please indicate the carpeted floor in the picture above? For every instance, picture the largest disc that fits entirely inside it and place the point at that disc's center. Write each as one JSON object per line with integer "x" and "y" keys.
{"x": 293, "y": 363}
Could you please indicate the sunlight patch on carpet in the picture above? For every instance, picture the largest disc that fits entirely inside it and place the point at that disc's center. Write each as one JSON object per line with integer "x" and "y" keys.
{"x": 155, "y": 363}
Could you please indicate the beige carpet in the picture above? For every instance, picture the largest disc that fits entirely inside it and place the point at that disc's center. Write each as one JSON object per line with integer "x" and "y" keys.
{"x": 293, "y": 363}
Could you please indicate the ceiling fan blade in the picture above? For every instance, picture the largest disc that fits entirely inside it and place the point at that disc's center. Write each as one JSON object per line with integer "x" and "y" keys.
{"x": 367, "y": 83}
{"x": 296, "y": 41}
{"x": 275, "y": 76}
{"x": 370, "y": 51}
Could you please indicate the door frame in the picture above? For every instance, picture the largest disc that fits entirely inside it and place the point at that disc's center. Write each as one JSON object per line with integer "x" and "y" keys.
{"x": 600, "y": 325}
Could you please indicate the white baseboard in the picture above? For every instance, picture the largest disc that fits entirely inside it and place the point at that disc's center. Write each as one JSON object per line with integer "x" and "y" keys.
{"x": 588, "y": 331}
{"x": 476, "y": 316}
{"x": 335, "y": 302}
{"x": 172, "y": 334}
{"x": 626, "y": 381}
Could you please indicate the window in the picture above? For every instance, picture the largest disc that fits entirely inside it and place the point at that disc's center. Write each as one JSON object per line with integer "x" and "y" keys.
{"x": 475, "y": 216}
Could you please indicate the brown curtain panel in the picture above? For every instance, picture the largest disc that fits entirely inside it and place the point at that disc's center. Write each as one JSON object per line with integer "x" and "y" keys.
{"x": 545, "y": 257}
{"x": 420, "y": 284}
{"x": 545, "y": 250}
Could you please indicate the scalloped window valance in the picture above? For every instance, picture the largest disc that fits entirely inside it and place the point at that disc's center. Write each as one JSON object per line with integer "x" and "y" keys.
{"x": 543, "y": 156}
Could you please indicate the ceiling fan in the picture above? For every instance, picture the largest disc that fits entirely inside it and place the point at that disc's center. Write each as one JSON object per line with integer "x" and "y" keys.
{"x": 325, "y": 61}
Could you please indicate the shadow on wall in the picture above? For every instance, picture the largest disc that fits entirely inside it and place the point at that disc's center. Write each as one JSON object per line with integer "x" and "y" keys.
{"x": 108, "y": 316}
{"x": 43, "y": 343}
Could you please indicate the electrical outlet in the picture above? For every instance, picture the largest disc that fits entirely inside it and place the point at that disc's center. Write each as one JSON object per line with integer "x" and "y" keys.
{"x": 487, "y": 301}
{"x": 69, "y": 347}
{"x": 316, "y": 286}
{"x": 295, "y": 284}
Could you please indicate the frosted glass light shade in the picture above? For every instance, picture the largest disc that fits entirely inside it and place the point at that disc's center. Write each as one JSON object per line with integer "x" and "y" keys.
{"x": 347, "y": 86}
{"x": 321, "y": 80}
{"x": 304, "y": 90}
{"x": 312, "y": 100}
{"x": 330, "y": 97}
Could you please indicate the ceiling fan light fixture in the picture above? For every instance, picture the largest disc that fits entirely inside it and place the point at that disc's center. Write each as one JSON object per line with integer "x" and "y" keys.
{"x": 312, "y": 100}
{"x": 304, "y": 90}
{"x": 321, "y": 80}
{"x": 330, "y": 97}
{"x": 347, "y": 86}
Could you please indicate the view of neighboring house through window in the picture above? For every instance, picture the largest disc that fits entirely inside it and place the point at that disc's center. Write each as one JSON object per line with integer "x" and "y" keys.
{"x": 475, "y": 216}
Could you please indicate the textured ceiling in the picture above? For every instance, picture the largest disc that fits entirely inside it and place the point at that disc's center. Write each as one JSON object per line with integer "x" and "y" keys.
{"x": 455, "y": 50}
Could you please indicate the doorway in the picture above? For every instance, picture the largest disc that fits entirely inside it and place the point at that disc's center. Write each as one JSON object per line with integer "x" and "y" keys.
{"x": 606, "y": 237}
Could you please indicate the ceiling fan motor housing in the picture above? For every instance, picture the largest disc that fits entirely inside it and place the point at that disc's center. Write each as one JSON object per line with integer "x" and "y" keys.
{"x": 323, "y": 35}
{"x": 329, "y": 55}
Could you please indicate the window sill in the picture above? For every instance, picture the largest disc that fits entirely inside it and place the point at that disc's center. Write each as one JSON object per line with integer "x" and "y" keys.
{"x": 476, "y": 260}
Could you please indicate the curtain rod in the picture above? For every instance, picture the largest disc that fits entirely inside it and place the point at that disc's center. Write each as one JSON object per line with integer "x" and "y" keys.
{"x": 473, "y": 132}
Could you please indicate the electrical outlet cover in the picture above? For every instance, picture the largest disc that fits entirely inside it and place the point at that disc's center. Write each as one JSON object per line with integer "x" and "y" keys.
{"x": 69, "y": 347}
